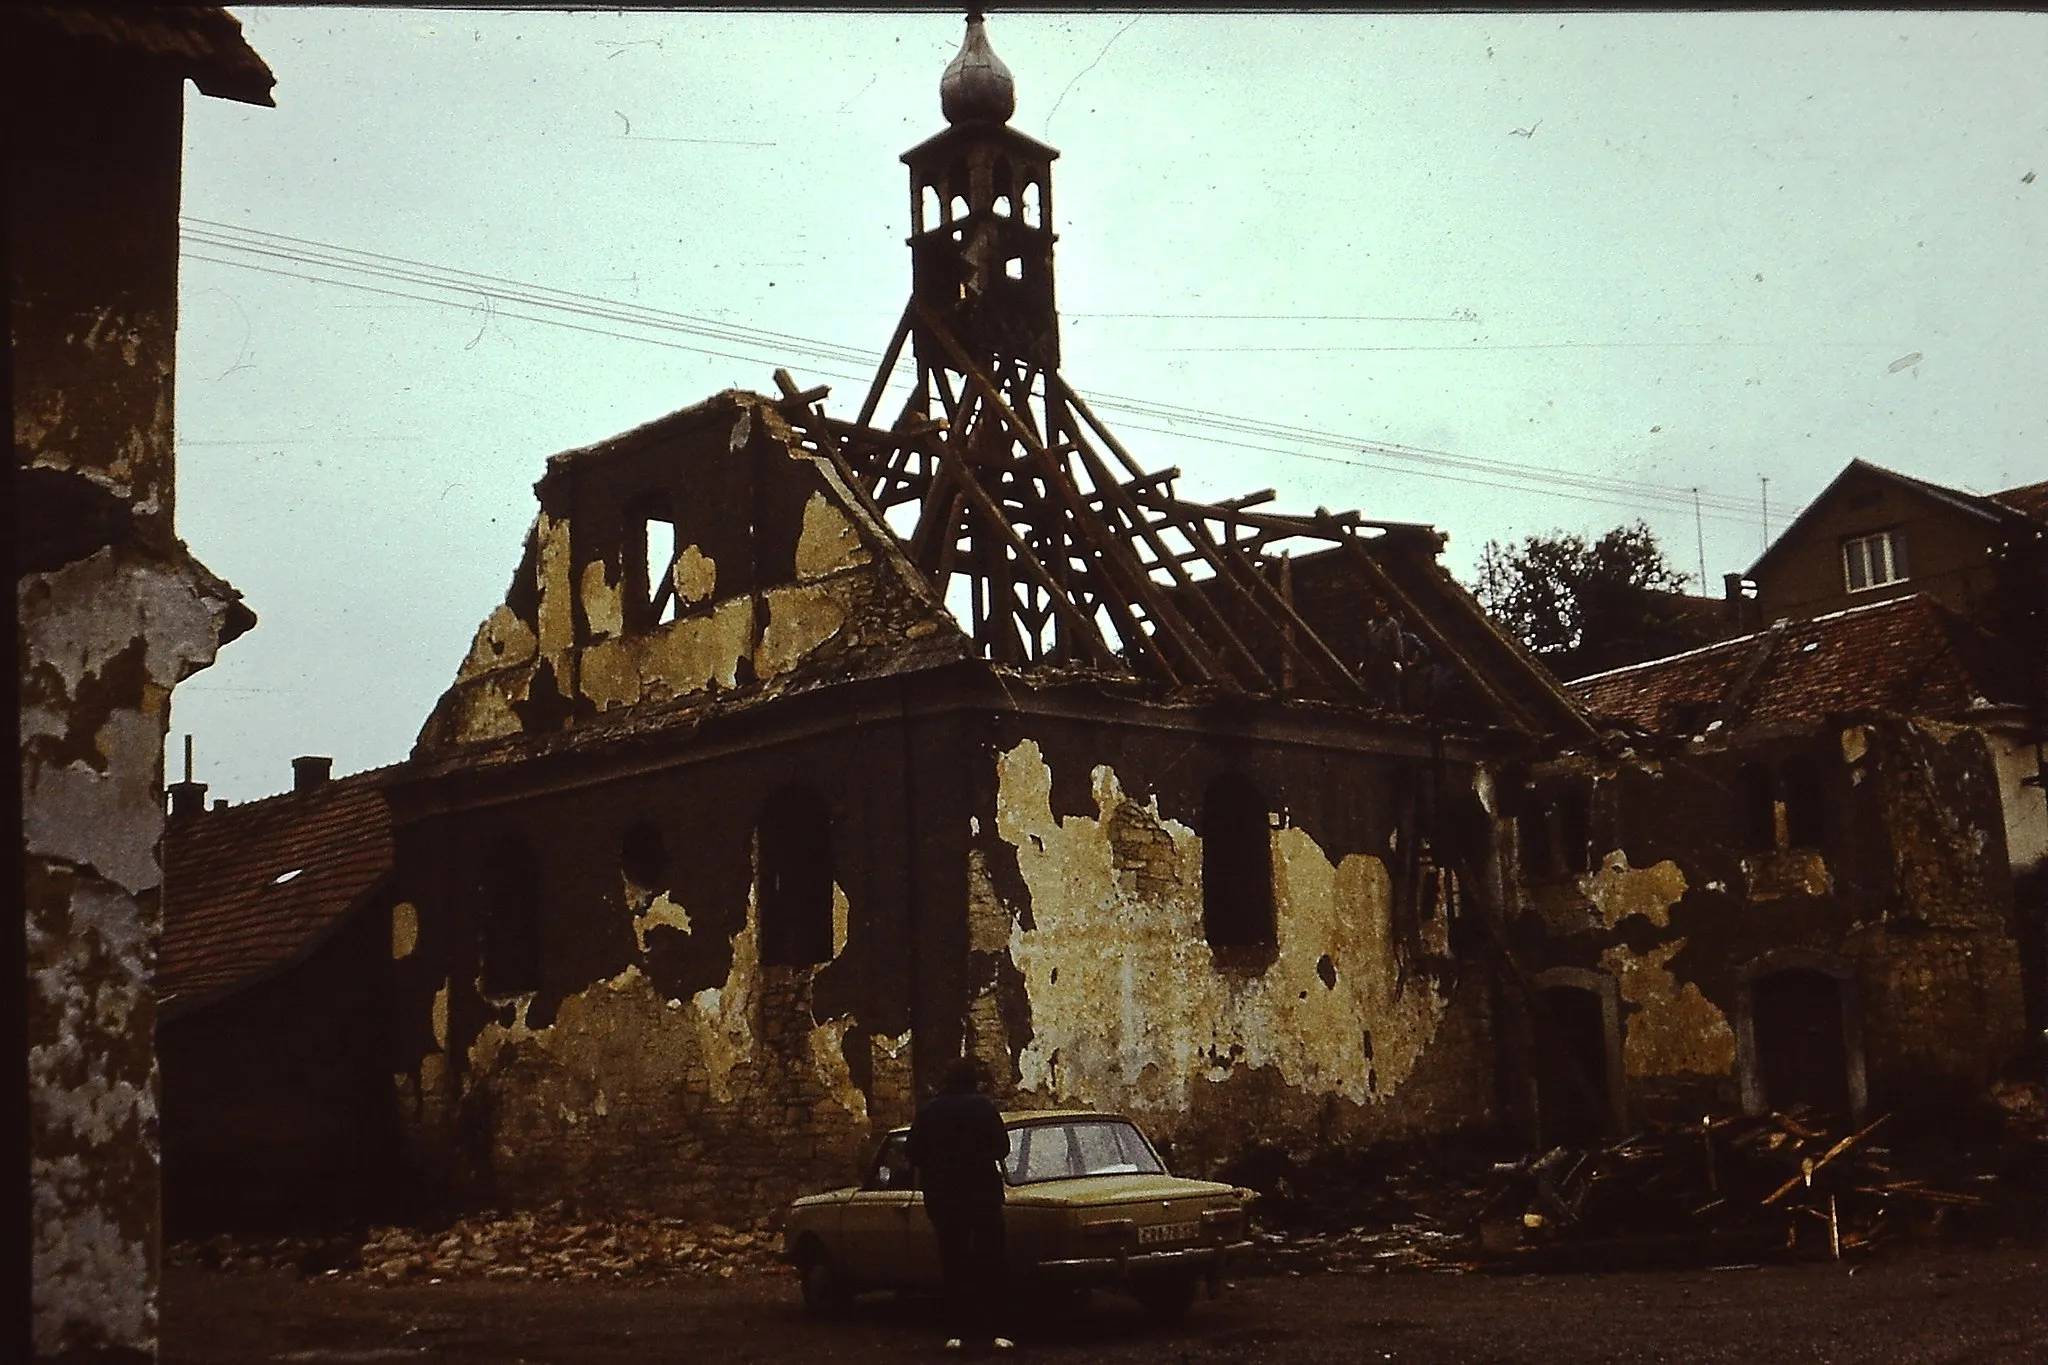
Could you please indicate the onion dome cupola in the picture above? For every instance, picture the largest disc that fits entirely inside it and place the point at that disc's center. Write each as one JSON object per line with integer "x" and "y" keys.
{"x": 981, "y": 215}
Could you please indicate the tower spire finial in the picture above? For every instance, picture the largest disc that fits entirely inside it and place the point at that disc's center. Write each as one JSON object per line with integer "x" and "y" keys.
{"x": 977, "y": 87}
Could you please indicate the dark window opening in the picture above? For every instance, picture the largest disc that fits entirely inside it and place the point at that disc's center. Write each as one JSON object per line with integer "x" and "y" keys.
{"x": 642, "y": 862}
{"x": 1237, "y": 865}
{"x": 794, "y": 844}
{"x": 1758, "y": 808}
{"x": 1804, "y": 823}
{"x": 511, "y": 920}
{"x": 1575, "y": 829}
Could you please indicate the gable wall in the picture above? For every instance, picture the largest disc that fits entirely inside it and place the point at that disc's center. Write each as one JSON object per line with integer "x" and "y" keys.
{"x": 1946, "y": 551}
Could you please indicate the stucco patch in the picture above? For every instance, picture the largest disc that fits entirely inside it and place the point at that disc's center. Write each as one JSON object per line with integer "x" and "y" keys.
{"x": 557, "y": 627}
{"x": 799, "y": 620}
{"x": 1673, "y": 1030}
{"x": 695, "y": 576}
{"x": 694, "y": 653}
{"x": 661, "y": 913}
{"x": 603, "y": 607}
{"x": 502, "y": 641}
{"x": 609, "y": 676}
{"x": 405, "y": 930}
{"x": 1616, "y": 890}
{"x": 828, "y": 542}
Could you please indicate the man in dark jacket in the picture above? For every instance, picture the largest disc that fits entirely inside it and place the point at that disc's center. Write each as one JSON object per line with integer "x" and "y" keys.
{"x": 957, "y": 1143}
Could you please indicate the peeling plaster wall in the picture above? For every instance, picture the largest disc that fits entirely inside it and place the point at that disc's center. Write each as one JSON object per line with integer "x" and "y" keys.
{"x": 1908, "y": 890}
{"x": 111, "y": 613}
{"x": 661, "y": 1064}
{"x": 790, "y": 586}
{"x": 1350, "y": 1029}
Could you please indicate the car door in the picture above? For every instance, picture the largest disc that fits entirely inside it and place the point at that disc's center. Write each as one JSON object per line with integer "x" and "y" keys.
{"x": 872, "y": 1248}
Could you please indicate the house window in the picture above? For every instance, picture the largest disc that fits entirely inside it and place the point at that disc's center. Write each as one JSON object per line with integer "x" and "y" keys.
{"x": 1237, "y": 865}
{"x": 1874, "y": 560}
{"x": 511, "y": 915}
{"x": 794, "y": 845}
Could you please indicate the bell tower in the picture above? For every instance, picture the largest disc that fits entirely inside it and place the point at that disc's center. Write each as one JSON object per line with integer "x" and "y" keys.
{"x": 981, "y": 229}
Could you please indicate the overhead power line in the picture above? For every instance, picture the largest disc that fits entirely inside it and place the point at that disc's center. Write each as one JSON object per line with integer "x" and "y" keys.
{"x": 319, "y": 262}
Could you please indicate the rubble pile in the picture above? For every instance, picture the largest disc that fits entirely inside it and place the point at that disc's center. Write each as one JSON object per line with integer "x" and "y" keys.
{"x": 1721, "y": 1190}
{"x": 547, "y": 1245}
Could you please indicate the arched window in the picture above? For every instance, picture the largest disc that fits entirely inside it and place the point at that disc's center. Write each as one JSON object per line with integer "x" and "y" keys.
{"x": 1237, "y": 865}
{"x": 794, "y": 844}
{"x": 511, "y": 919}
{"x": 642, "y": 861}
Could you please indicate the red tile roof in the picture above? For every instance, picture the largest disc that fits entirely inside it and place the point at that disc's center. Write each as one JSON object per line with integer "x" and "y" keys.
{"x": 203, "y": 42}
{"x": 251, "y": 890}
{"x": 2029, "y": 500}
{"x": 1908, "y": 655}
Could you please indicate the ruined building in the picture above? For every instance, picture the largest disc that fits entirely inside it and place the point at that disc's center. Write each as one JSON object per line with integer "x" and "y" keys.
{"x": 1808, "y": 865}
{"x": 806, "y": 751}
{"x": 112, "y": 611}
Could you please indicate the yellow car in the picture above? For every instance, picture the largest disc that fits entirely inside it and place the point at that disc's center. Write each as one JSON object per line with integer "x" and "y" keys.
{"x": 1088, "y": 1203}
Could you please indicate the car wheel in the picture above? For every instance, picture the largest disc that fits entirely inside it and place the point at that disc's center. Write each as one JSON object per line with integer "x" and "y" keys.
{"x": 825, "y": 1290}
{"x": 1165, "y": 1298}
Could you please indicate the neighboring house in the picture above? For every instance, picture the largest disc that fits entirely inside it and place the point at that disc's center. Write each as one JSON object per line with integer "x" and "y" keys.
{"x": 1785, "y": 876}
{"x": 1873, "y": 534}
{"x": 273, "y": 1021}
{"x": 111, "y": 612}
{"x": 804, "y": 753}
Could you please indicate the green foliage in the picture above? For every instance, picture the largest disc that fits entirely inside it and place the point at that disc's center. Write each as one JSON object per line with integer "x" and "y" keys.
{"x": 1565, "y": 596}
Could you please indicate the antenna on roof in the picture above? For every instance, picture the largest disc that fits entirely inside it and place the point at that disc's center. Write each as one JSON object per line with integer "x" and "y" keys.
{"x": 1765, "y": 480}
{"x": 1699, "y": 534}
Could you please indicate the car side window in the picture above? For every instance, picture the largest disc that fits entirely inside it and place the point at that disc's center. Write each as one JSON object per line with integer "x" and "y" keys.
{"x": 892, "y": 1169}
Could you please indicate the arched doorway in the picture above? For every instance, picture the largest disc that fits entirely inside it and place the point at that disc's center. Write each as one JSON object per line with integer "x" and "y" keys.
{"x": 1574, "y": 1059}
{"x": 1801, "y": 1047}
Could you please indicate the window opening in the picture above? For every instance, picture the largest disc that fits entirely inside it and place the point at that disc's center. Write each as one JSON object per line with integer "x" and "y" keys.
{"x": 794, "y": 846}
{"x": 642, "y": 862}
{"x": 1030, "y": 203}
{"x": 1758, "y": 808}
{"x": 1575, "y": 829}
{"x": 959, "y": 206}
{"x": 1014, "y": 267}
{"x": 1874, "y": 560}
{"x": 659, "y": 537}
{"x": 1804, "y": 822}
{"x": 511, "y": 914}
{"x": 1237, "y": 865}
{"x": 929, "y": 216}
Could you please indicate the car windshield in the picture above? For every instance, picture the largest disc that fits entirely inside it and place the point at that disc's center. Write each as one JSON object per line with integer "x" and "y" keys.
{"x": 1077, "y": 1147}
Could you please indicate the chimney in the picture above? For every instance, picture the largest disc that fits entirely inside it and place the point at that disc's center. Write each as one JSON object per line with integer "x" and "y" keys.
{"x": 310, "y": 771}
{"x": 188, "y": 798}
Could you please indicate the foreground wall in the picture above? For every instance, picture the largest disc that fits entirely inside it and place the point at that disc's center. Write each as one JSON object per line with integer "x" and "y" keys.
{"x": 112, "y": 613}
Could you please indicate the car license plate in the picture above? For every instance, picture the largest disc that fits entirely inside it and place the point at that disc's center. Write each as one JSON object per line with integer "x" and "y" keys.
{"x": 1168, "y": 1232}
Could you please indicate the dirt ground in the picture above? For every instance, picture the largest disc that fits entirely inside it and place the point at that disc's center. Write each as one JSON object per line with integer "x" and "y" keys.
{"x": 1913, "y": 1304}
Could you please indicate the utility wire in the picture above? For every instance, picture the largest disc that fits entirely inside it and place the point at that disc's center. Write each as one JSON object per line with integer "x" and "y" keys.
{"x": 273, "y": 252}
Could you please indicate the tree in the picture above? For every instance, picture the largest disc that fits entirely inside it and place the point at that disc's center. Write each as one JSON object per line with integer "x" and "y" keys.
{"x": 1583, "y": 606}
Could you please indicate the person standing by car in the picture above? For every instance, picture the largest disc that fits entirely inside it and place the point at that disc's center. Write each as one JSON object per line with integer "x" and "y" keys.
{"x": 957, "y": 1143}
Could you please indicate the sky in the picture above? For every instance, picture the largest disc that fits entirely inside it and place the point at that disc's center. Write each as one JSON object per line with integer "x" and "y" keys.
{"x": 1505, "y": 274}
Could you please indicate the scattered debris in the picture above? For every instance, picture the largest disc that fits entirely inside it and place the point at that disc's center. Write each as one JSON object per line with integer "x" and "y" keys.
{"x": 547, "y": 1245}
{"x": 1721, "y": 1191}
